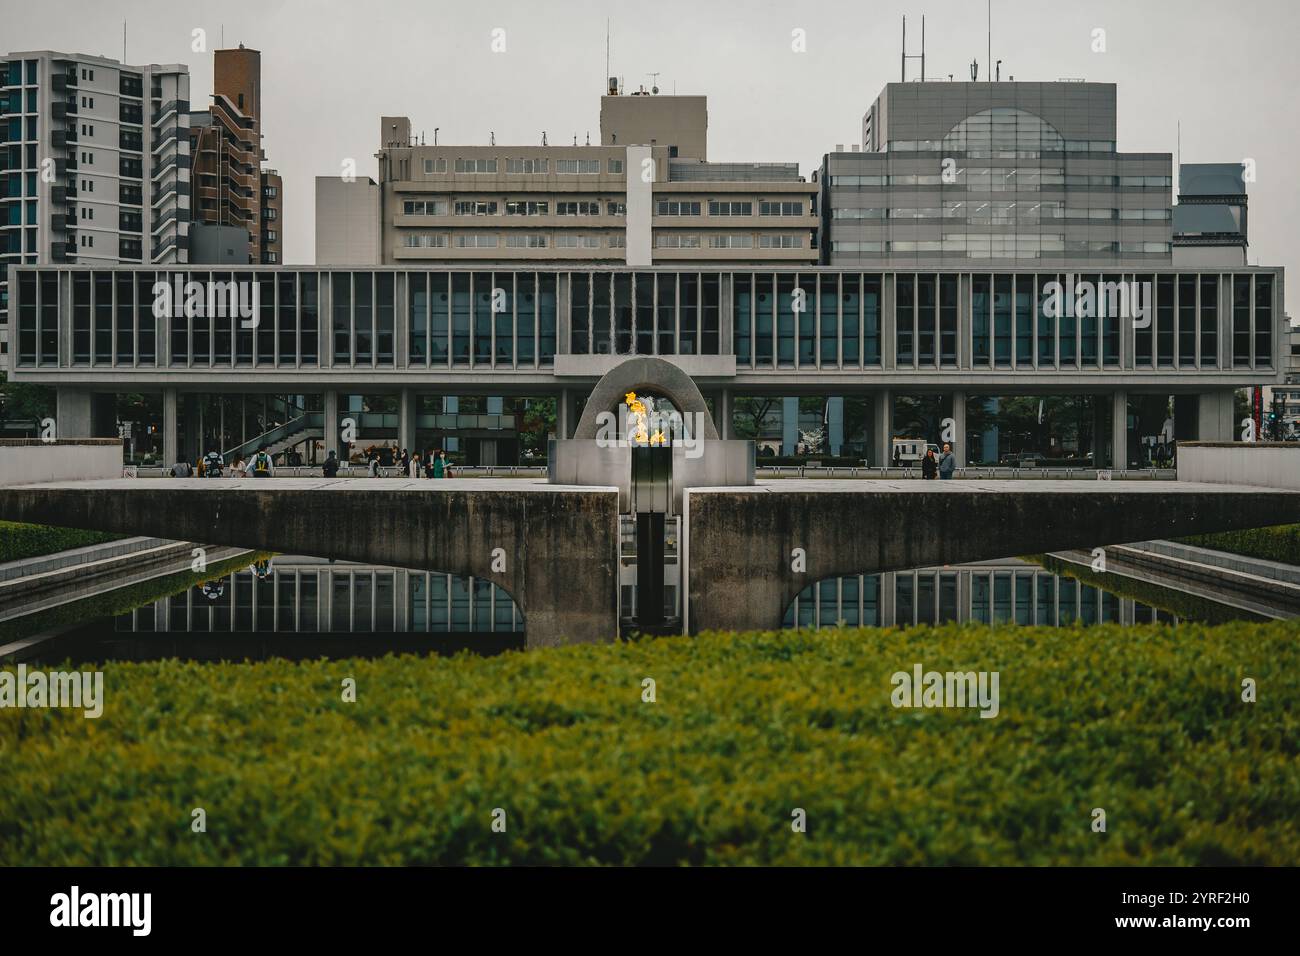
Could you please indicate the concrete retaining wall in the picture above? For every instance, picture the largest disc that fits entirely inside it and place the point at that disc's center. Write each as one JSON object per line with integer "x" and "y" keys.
{"x": 27, "y": 460}
{"x": 1270, "y": 464}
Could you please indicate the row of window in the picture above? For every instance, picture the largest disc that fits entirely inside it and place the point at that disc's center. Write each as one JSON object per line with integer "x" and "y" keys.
{"x": 1184, "y": 320}
{"x": 1008, "y": 179}
{"x": 1005, "y": 212}
{"x": 1001, "y": 247}
{"x": 525, "y": 167}
{"x": 688, "y": 207}
{"x": 806, "y": 320}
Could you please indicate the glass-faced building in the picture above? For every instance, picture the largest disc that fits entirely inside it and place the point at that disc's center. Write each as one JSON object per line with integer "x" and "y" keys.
{"x": 417, "y": 351}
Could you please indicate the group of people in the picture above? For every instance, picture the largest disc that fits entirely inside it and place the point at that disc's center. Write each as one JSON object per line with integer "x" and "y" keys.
{"x": 212, "y": 465}
{"x": 434, "y": 464}
{"x": 940, "y": 466}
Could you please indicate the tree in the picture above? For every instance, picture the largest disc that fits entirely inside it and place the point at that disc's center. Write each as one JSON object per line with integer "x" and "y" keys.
{"x": 21, "y": 402}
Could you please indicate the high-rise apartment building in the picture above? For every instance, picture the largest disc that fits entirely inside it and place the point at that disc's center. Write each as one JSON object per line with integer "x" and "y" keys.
{"x": 272, "y": 216}
{"x": 95, "y": 164}
{"x": 230, "y": 188}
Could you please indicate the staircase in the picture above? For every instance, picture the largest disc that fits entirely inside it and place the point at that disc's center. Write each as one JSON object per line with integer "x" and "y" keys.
{"x": 305, "y": 426}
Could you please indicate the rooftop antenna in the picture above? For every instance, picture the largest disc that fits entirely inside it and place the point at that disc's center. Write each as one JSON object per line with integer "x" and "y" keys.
{"x": 999, "y": 71}
{"x": 605, "y": 78}
{"x": 575, "y": 139}
{"x": 123, "y": 41}
{"x": 543, "y": 137}
{"x": 913, "y": 56}
{"x": 588, "y": 137}
{"x": 654, "y": 82}
{"x": 990, "y": 10}
{"x": 435, "y": 135}
{"x": 492, "y": 138}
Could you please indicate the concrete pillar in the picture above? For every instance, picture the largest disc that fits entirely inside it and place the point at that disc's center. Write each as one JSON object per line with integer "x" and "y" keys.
{"x": 565, "y": 414}
{"x": 789, "y": 425}
{"x": 725, "y": 417}
{"x": 72, "y": 416}
{"x": 835, "y": 424}
{"x": 171, "y": 430}
{"x": 991, "y": 439}
{"x": 407, "y": 406}
{"x": 1102, "y": 422}
{"x": 451, "y": 406}
{"x": 959, "y": 427}
{"x": 1215, "y": 416}
{"x": 1119, "y": 431}
{"x": 882, "y": 421}
{"x": 189, "y": 446}
{"x": 331, "y": 430}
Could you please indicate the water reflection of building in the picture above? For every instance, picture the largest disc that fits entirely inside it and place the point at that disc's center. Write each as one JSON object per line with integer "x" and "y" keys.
{"x": 313, "y": 595}
{"x": 997, "y": 592}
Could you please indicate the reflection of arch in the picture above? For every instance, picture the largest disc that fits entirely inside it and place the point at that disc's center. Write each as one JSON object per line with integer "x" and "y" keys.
{"x": 645, "y": 374}
{"x": 1004, "y": 128}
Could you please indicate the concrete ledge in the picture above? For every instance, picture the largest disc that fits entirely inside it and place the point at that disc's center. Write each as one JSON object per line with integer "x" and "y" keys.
{"x": 1268, "y": 464}
{"x": 32, "y": 460}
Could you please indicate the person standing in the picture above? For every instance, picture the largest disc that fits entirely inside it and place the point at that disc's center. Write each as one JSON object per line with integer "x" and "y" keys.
{"x": 331, "y": 467}
{"x": 947, "y": 462}
{"x": 929, "y": 466}
{"x": 440, "y": 464}
{"x": 414, "y": 467}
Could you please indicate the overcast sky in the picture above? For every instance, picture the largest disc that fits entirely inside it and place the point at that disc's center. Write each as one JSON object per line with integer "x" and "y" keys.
{"x": 330, "y": 69}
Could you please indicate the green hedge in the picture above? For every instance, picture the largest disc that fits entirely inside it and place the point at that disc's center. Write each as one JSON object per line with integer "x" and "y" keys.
{"x": 18, "y": 541}
{"x": 1145, "y": 722}
{"x": 1279, "y": 543}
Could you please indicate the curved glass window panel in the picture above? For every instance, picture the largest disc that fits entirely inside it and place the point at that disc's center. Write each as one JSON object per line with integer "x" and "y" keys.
{"x": 1004, "y": 129}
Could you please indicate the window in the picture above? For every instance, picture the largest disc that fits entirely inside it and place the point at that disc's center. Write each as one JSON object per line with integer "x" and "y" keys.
{"x": 476, "y": 165}
{"x": 730, "y": 208}
{"x": 270, "y": 192}
{"x": 781, "y": 208}
{"x": 731, "y": 242}
{"x": 666, "y": 207}
{"x": 424, "y": 207}
{"x": 476, "y": 241}
{"x": 615, "y": 167}
{"x": 780, "y": 242}
{"x": 424, "y": 241}
{"x": 616, "y": 209}
{"x": 435, "y": 166}
{"x": 528, "y": 167}
{"x": 578, "y": 167}
{"x": 854, "y": 212}
{"x": 677, "y": 242}
{"x": 577, "y": 208}
{"x": 525, "y": 241}
{"x": 476, "y": 208}
{"x": 520, "y": 207}
{"x": 571, "y": 241}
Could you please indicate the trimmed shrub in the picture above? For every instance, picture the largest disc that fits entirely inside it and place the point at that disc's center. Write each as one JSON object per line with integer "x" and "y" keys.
{"x": 1144, "y": 722}
{"x": 1279, "y": 543}
{"x": 18, "y": 541}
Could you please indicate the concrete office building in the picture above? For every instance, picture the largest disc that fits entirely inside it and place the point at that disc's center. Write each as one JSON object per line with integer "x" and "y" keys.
{"x": 646, "y": 195}
{"x": 95, "y": 158}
